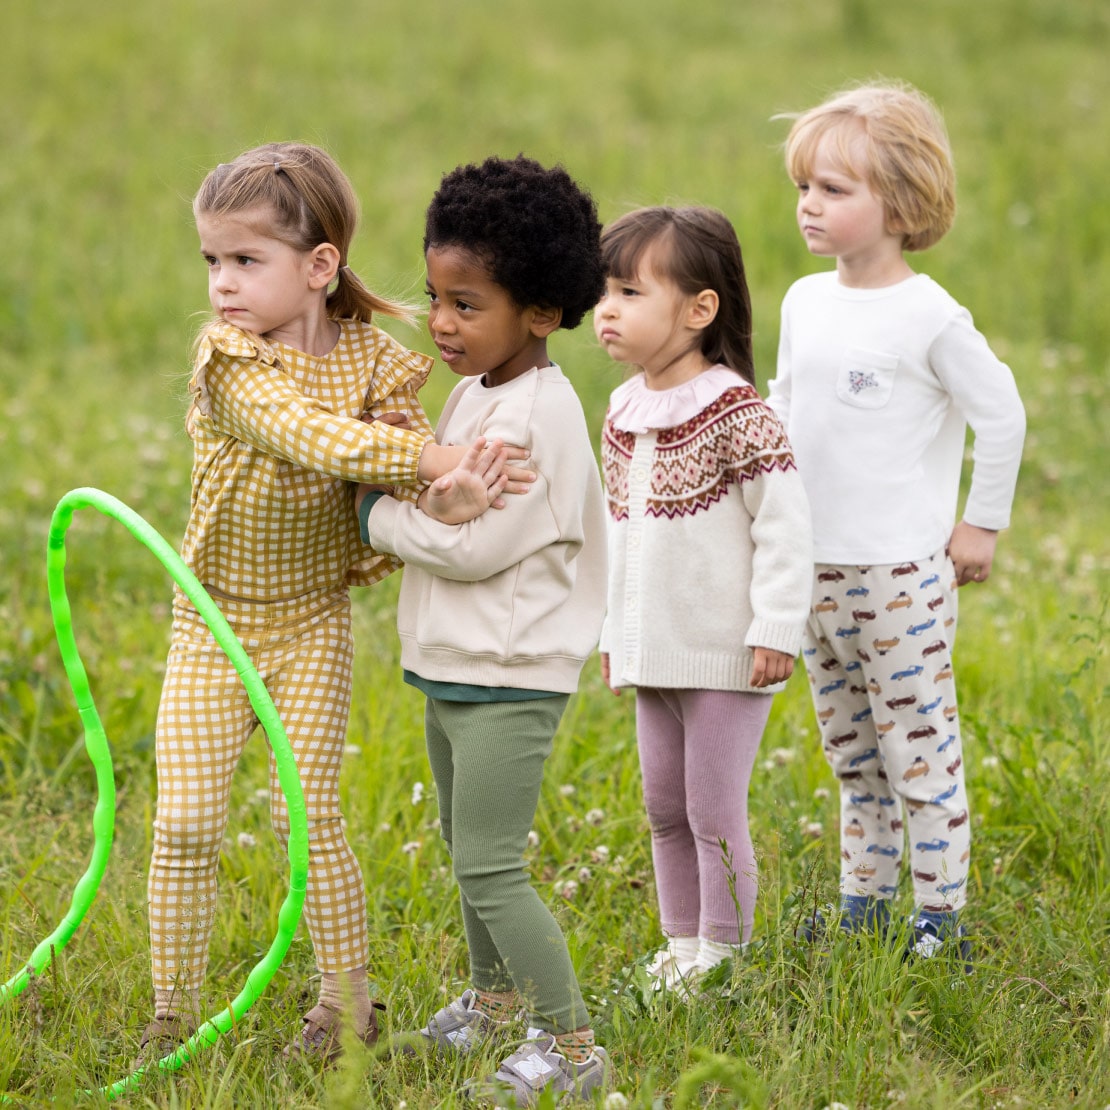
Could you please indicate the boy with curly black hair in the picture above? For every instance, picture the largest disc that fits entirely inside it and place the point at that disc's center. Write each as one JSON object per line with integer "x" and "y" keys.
{"x": 498, "y": 615}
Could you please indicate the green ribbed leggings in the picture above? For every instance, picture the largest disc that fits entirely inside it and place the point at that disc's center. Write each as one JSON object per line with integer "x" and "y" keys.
{"x": 488, "y": 761}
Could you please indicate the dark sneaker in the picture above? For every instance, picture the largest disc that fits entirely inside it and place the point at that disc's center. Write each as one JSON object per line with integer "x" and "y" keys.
{"x": 539, "y": 1066}
{"x": 940, "y": 936}
{"x": 321, "y": 1033}
{"x": 161, "y": 1037}
{"x": 854, "y": 916}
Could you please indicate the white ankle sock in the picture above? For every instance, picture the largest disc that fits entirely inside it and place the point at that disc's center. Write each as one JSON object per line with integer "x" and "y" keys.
{"x": 683, "y": 949}
{"x": 713, "y": 952}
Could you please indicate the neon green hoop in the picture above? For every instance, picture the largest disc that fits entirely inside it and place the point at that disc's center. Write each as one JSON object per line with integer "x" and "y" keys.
{"x": 96, "y": 744}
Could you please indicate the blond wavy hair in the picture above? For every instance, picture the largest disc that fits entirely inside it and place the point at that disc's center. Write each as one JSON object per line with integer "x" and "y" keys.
{"x": 907, "y": 156}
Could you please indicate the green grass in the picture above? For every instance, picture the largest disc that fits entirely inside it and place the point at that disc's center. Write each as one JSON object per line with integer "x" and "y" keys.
{"x": 113, "y": 113}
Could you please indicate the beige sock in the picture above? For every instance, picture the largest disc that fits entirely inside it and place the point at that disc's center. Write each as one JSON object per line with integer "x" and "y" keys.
{"x": 348, "y": 993}
{"x": 577, "y": 1046}
{"x": 499, "y": 1005}
{"x": 178, "y": 1003}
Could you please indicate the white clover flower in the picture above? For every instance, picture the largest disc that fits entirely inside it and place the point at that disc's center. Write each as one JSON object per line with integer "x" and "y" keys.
{"x": 411, "y": 847}
{"x": 585, "y": 874}
{"x": 813, "y": 830}
{"x": 533, "y": 839}
{"x": 567, "y": 790}
{"x": 600, "y": 854}
{"x": 781, "y": 756}
{"x": 821, "y": 794}
{"x": 246, "y": 840}
{"x": 417, "y": 793}
{"x": 595, "y": 817}
{"x": 567, "y": 890}
{"x": 614, "y": 1100}
{"x": 990, "y": 761}
{"x": 385, "y": 827}
{"x": 352, "y": 749}
{"x": 262, "y": 794}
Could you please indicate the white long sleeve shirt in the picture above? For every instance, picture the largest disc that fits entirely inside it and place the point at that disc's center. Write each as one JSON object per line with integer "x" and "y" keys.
{"x": 876, "y": 388}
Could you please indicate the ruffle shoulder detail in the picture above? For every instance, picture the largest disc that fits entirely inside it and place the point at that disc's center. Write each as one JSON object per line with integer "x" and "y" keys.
{"x": 229, "y": 340}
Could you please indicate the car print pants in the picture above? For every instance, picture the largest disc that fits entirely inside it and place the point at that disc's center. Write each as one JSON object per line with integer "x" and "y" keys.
{"x": 303, "y": 652}
{"x": 878, "y": 653}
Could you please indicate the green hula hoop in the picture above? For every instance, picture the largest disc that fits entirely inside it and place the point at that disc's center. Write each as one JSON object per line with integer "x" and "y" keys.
{"x": 96, "y": 745}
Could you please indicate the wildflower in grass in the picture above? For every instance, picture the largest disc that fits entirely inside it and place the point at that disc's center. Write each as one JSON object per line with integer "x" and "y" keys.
{"x": 615, "y": 1101}
{"x": 533, "y": 839}
{"x": 385, "y": 827}
{"x": 567, "y": 890}
{"x": 246, "y": 840}
{"x": 584, "y": 875}
{"x": 600, "y": 854}
{"x": 821, "y": 794}
{"x": 417, "y": 793}
{"x": 813, "y": 830}
{"x": 411, "y": 847}
{"x": 567, "y": 790}
{"x": 352, "y": 750}
{"x": 595, "y": 817}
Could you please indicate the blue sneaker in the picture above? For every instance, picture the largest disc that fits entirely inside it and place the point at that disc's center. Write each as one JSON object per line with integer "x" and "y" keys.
{"x": 939, "y": 935}
{"x": 856, "y": 914}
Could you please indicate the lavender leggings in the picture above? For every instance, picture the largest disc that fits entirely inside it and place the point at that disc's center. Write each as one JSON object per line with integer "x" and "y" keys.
{"x": 697, "y": 750}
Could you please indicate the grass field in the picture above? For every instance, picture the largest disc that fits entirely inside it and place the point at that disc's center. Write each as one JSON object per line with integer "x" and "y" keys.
{"x": 113, "y": 113}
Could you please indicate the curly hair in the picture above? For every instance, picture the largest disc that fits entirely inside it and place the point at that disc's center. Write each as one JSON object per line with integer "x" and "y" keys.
{"x": 534, "y": 229}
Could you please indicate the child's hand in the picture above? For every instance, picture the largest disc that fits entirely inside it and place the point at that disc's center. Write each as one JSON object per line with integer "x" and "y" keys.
{"x": 770, "y": 667}
{"x": 470, "y": 488}
{"x": 437, "y": 460}
{"x": 396, "y": 419}
{"x": 606, "y": 674}
{"x": 971, "y": 550}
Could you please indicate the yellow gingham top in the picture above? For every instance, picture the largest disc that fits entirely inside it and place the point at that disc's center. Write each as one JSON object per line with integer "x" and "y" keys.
{"x": 277, "y": 448}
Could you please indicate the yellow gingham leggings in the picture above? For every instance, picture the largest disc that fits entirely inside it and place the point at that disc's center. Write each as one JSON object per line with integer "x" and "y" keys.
{"x": 303, "y": 651}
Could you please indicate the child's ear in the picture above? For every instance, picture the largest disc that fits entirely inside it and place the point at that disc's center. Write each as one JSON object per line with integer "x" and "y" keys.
{"x": 545, "y": 320}
{"x": 703, "y": 309}
{"x": 323, "y": 265}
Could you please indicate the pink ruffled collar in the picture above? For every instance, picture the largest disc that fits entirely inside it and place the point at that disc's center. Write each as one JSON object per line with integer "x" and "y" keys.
{"x": 635, "y": 408}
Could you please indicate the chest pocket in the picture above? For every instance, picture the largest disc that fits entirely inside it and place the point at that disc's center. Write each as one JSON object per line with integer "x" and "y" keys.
{"x": 866, "y": 378}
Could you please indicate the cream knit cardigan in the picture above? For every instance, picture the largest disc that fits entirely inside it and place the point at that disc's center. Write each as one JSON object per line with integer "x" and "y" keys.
{"x": 710, "y": 550}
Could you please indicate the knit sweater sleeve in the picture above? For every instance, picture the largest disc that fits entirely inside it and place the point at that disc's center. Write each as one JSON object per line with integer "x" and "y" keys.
{"x": 782, "y": 541}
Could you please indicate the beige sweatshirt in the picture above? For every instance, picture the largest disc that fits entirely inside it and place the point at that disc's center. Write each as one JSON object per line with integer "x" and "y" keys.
{"x": 516, "y": 597}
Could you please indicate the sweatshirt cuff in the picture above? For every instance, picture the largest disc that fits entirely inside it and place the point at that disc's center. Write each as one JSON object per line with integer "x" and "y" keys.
{"x": 364, "y": 509}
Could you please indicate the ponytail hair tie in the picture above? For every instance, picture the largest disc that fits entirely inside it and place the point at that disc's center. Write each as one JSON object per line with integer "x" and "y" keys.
{"x": 277, "y": 167}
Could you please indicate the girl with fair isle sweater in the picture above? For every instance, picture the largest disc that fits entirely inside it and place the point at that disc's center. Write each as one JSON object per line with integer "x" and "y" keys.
{"x": 710, "y": 560}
